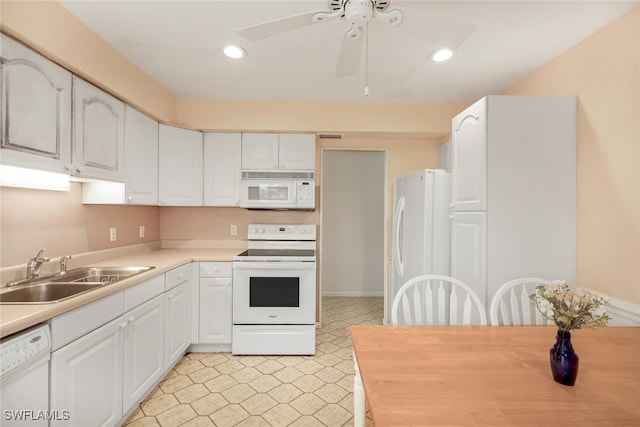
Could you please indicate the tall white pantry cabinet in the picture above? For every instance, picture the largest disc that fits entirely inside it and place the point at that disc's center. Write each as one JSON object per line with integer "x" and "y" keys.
{"x": 513, "y": 196}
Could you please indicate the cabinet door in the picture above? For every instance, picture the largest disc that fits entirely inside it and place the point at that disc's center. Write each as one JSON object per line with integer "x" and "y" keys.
{"x": 215, "y": 310}
{"x": 86, "y": 378}
{"x": 98, "y": 137}
{"x": 180, "y": 167}
{"x": 297, "y": 151}
{"x": 469, "y": 159}
{"x": 141, "y": 160}
{"x": 260, "y": 151}
{"x": 178, "y": 323}
{"x": 143, "y": 349}
{"x": 469, "y": 250}
{"x": 222, "y": 153}
{"x": 36, "y": 110}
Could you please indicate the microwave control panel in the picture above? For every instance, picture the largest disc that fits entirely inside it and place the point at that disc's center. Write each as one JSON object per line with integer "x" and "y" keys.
{"x": 306, "y": 194}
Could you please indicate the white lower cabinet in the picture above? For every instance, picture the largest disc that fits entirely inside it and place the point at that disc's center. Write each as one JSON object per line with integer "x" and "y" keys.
{"x": 469, "y": 250}
{"x": 178, "y": 323}
{"x": 86, "y": 378}
{"x": 143, "y": 350}
{"x": 215, "y": 303}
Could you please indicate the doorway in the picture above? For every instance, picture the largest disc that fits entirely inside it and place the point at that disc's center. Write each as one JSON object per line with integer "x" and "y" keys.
{"x": 353, "y": 241}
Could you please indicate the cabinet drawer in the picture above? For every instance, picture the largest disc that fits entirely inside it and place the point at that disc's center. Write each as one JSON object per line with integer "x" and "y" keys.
{"x": 177, "y": 276}
{"x": 70, "y": 326}
{"x": 136, "y": 295}
{"x": 215, "y": 269}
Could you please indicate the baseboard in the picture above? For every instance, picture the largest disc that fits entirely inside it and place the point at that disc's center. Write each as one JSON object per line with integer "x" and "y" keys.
{"x": 209, "y": 348}
{"x": 352, "y": 294}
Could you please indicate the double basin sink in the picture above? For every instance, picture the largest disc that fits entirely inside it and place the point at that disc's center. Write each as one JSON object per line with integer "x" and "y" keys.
{"x": 60, "y": 286}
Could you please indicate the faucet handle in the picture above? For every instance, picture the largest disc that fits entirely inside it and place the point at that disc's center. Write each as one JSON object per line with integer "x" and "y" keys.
{"x": 40, "y": 252}
{"x": 63, "y": 263}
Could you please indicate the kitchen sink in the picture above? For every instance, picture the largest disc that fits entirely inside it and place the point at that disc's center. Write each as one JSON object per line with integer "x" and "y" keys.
{"x": 44, "y": 293}
{"x": 60, "y": 286}
{"x": 101, "y": 275}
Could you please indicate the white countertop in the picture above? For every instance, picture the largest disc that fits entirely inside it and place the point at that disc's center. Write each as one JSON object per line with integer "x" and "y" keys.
{"x": 16, "y": 317}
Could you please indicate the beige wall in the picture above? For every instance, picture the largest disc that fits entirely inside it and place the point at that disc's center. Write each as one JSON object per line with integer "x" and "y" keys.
{"x": 604, "y": 72}
{"x": 58, "y": 221}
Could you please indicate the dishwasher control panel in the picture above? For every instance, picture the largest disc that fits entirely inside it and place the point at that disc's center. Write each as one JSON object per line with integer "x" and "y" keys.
{"x": 22, "y": 347}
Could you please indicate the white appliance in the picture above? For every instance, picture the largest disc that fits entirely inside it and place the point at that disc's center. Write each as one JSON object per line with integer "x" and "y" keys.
{"x": 278, "y": 190}
{"x": 24, "y": 379}
{"x": 421, "y": 240}
{"x": 513, "y": 191}
{"x": 274, "y": 291}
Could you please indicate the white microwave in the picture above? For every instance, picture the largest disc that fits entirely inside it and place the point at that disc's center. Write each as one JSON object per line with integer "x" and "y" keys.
{"x": 278, "y": 190}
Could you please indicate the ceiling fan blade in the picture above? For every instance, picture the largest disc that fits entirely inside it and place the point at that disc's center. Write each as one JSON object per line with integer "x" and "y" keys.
{"x": 278, "y": 26}
{"x": 350, "y": 55}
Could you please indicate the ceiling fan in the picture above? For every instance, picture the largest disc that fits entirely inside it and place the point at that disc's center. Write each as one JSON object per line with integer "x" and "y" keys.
{"x": 440, "y": 32}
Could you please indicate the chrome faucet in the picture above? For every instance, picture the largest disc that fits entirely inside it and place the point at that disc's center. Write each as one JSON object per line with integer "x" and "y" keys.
{"x": 63, "y": 264}
{"x": 34, "y": 264}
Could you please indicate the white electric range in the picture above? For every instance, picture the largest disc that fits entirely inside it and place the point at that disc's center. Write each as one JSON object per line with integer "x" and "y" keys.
{"x": 274, "y": 291}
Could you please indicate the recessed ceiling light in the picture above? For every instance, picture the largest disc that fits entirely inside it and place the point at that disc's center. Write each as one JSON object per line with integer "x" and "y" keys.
{"x": 235, "y": 52}
{"x": 441, "y": 55}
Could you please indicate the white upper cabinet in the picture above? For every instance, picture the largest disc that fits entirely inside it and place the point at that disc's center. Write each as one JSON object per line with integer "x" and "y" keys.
{"x": 222, "y": 153}
{"x": 469, "y": 159}
{"x": 180, "y": 167}
{"x": 271, "y": 151}
{"x": 36, "y": 110}
{"x": 98, "y": 133}
{"x": 141, "y": 160}
{"x": 297, "y": 151}
{"x": 260, "y": 151}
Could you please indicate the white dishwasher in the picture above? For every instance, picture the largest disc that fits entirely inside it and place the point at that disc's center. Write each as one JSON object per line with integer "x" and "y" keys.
{"x": 24, "y": 378}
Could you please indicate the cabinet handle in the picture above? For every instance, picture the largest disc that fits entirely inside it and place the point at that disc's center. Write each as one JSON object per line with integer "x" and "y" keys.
{"x": 132, "y": 319}
{"x": 180, "y": 276}
{"x": 450, "y": 216}
{"x": 123, "y": 325}
{"x": 451, "y": 205}
{"x": 169, "y": 296}
{"x": 69, "y": 167}
{"x": 130, "y": 198}
{"x": 275, "y": 166}
{"x": 80, "y": 169}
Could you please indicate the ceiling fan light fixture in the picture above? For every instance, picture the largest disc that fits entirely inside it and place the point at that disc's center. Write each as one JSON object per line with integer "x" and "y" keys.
{"x": 441, "y": 55}
{"x": 234, "y": 52}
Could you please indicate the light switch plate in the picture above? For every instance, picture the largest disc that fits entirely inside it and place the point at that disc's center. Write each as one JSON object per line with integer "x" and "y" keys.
{"x": 113, "y": 234}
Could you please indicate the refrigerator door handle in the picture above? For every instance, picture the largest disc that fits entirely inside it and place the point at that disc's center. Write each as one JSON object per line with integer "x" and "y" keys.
{"x": 397, "y": 236}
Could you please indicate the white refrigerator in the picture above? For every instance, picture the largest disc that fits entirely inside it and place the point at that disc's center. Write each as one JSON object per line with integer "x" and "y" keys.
{"x": 421, "y": 239}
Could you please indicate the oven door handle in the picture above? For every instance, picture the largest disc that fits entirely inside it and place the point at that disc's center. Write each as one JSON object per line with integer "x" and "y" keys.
{"x": 274, "y": 265}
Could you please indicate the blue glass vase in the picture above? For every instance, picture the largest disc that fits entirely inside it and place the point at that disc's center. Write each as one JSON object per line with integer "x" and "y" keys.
{"x": 564, "y": 361}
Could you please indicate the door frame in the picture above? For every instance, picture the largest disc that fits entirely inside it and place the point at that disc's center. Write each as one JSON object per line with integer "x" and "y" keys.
{"x": 386, "y": 225}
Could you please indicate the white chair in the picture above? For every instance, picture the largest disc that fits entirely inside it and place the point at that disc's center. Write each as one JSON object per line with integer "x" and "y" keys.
{"x": 511, "y": 305}
{"x": 434, "y": 299}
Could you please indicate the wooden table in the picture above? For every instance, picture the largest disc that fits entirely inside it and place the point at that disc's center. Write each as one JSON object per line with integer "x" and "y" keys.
{"x": 496, "y": 376}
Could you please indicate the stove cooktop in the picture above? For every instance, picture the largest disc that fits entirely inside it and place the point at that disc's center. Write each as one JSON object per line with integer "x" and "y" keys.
{"x": 277, "y": 253}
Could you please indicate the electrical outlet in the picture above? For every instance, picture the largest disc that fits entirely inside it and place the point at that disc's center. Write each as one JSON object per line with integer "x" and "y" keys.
{"x": 234, "y": 230}
{"x": 113, "y": 234}
{"x": 141, "y": 231}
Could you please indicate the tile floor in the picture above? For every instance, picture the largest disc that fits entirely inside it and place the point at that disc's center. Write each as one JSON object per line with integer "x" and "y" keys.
{"x": 219, "y": 389}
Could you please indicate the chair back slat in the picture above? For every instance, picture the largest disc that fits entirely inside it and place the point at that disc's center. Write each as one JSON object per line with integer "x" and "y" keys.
{"x": 433, "y": 299}
{"x": 466, "y": 316}
{"x": 429, "y": 303}
{"x": 453, "y": 307}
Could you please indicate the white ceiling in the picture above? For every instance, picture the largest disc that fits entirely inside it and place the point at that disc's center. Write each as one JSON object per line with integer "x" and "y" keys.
{"x": 178, "y": 44}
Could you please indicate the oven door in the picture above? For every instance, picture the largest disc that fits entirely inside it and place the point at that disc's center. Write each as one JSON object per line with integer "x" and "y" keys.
{"x": 274, "y": 293}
